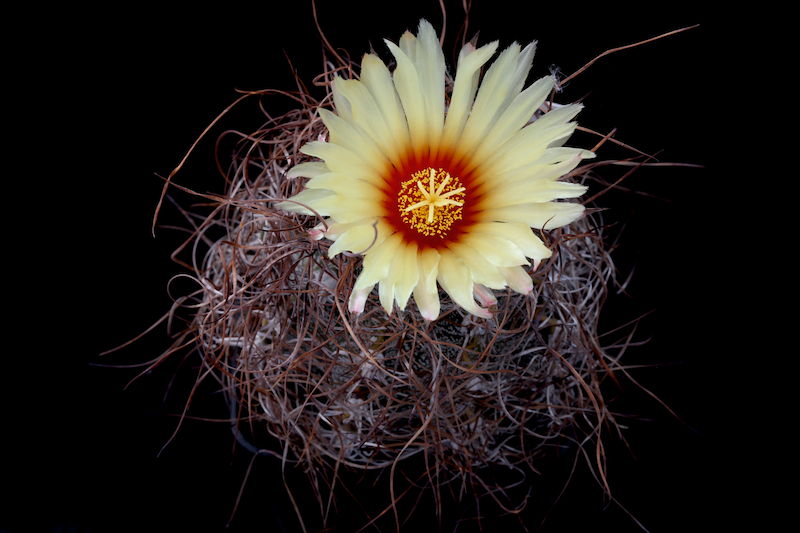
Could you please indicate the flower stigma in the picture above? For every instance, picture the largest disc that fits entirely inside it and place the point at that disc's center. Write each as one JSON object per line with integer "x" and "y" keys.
{"x": 431, "y": 201}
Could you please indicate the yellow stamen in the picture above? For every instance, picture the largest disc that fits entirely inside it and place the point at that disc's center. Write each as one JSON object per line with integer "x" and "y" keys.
{"x": 442, "y": 210}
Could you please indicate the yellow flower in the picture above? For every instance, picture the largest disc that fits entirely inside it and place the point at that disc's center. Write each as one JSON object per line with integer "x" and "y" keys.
{"x": 434, "y": 187}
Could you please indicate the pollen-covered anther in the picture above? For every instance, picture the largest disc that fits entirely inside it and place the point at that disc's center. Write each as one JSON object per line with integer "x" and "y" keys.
{"x": 431, "y": 201}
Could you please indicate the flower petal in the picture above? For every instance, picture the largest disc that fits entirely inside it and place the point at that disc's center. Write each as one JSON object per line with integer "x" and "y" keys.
{"x": 518, "y": 279}
{"x": 489, "y": 103}
{"x": 368, "y": 115}
{"x": 344, "y": 208}
{"x": 429, "y": 62}
{"x": 409, "y": 274}
{"x": 470, "y": 60}
{"x": 363, "y": 236}
{"x": 481, "y": 270}
{"x": 407, "y": 82}
{"x": 401, "y": 279}
{"x": 386, "y": 290}
{"x": 515, "y": 116}
{"x": 308, "y": 170}
{"x": 520, "y": 234}
{"x": 496, "y": 250}
{"x": 455, "y": 279}
{"x": 354, "y": 138}
{"x": 484, "y": 295}
{"x": 534, "y": 191}
{"x": 377, "y": 262}
{"x": 426, "y": 292}
{"x": 543, "y": 215}
{"x": 524, "y": 62}
{"x": 346, "y": 185}
{"x": 408, "y": 44}
{"x": 376, "y": 77}
{"x": 530, "y": 143}
{"x": 340, "y": 159}
{"x": 358, "y": 299}
{"x": 556, "y": 117}
{"x": 341, "y": 104}
{"x": 308, "y": 197}
{"x": 544, "y": 167}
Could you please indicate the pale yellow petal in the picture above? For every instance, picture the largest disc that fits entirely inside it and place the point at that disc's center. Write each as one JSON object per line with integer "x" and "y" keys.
{"x": 360, "y": 237}
{"x": 543, "y": 170}
{"x": 307, "y": 170}
{"x": 481, "y": 270}
{"x": 342, "y": 105}
{"x": 337, "y": 229}
{"x": 520, "y": 234}
{"x": 346, "y": 185}
{"x": 554, "y": 124}
{"x": 426, "y": 291}
{"x": 344, "y": 208}
{"x": 429, "y": 62}
{"x": 377, "y": 262}
{"x": 402, "y": 277}
{"x": 513, "y": 118}
{"x": 352, "y": 137}
{"x": 307, "y": 197}
{"x": 524, "y": 150}
{"x": 408, "y": 44}
{"x": 496, "y": 250}
{"x": 376, "y": 77}
{"x": 407, "y": 83}
{"x": 552, "y": 164}
{"x": 367, "y": 114}
{"x": 518, "y": 279}
{"x": 534, "y": 191}
{"x": 556, "y": 117}
{"x": 494, "y": 170}
{"x": 503, "y": 82}
{"x": 488, "y": 104}
{"x": 340, "y": 159}
{"x": 455, "y": 279}
{"x": 549, "y": 215}
{"x": 470, "y": 61}
{"x": 408, "y": 275}
{"x": 524, "y": 62}
{"x": 386, "y": 289}
{"x": 530, "y": 143}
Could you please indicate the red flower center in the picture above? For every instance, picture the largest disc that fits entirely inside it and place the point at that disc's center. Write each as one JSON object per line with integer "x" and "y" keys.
{"x": 429, "y": 202}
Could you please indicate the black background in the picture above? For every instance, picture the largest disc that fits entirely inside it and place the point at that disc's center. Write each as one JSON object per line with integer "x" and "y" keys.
{"x": 122, "y": 99}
